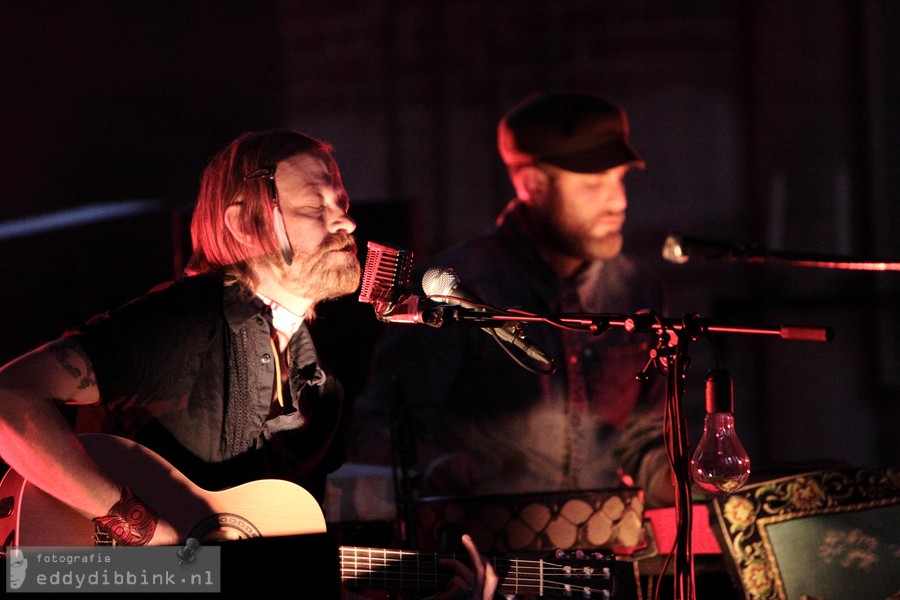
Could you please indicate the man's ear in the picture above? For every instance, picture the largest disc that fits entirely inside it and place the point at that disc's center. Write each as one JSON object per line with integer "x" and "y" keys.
{"x": 233, "y": 224}
{"x": 532, "y": 183}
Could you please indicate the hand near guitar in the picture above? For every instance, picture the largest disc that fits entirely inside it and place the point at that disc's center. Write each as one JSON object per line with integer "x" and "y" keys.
{"x": 479, "y": 584}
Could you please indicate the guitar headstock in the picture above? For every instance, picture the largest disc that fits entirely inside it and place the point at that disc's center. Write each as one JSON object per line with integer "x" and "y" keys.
{"x": 579, "y": 574}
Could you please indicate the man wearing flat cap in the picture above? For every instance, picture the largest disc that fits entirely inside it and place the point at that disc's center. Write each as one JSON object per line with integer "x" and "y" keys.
{"x": 483, "y": 423}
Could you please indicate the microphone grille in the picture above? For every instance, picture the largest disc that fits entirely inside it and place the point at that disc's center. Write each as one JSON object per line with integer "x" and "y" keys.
{"x": 673, "y": 250}
{"x": 385, "y": 274}
{"x": 438, "y": 281}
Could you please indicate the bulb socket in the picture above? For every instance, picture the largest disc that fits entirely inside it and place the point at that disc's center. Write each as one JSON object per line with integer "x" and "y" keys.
{"x": 719, "y": 391}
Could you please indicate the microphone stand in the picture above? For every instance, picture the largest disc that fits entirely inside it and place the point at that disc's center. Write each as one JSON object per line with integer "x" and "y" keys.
{"x": 676, "y": 366}
{"x": 403, "y": 451}
{"x": 598, "y": 323}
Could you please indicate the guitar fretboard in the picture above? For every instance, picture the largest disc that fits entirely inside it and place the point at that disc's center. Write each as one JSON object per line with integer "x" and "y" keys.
{"x": 376, "y": 568}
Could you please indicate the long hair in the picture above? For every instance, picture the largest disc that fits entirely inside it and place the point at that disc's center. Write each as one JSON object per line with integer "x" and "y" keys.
{"x": 223, "y": 184}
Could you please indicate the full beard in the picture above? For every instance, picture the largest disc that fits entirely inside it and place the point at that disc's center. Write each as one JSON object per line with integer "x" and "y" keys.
{"x": 330, "y": 271}
{"x": 577, "y": 242}
{"x": 571, "y": 238}
{"x": 603, "y": 248}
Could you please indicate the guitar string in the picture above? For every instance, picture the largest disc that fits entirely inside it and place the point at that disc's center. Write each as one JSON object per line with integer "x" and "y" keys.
{"x": 385, "y": 571}
{"x": 366, "y": 566}
{"x": 577, "y": 586}
{"x": 370, "y": 555}
{"x": 519, "y": 585}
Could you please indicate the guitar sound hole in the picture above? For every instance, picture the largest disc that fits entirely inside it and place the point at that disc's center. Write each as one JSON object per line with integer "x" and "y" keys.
{"x": 222, "y": 527}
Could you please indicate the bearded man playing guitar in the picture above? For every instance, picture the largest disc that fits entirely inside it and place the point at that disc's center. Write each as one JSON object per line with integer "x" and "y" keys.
{"x": 215, "y": 373}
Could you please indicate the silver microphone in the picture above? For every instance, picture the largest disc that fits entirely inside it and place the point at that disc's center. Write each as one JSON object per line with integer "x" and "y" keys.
{"x": 444, "y": 283}
{"x": 679, "y": 249}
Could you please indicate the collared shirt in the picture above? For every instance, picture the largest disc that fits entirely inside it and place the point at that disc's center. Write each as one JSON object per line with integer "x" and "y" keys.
{"x": 283, "y": 320}
{"x": 188, "y": 371}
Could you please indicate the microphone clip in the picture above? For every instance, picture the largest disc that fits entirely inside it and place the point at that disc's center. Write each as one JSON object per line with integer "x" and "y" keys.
{"x": 414, "y": 309}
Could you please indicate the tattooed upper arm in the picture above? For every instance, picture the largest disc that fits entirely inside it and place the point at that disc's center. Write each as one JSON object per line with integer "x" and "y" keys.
{"x": 72, "y": 358}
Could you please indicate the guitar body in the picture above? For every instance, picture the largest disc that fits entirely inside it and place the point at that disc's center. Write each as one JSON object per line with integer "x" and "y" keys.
{"x": 276, "y": 508}
{"x": 263, "y": 508}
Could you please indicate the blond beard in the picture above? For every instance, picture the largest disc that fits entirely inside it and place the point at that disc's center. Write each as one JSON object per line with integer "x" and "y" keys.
{"x": 330, "y": 271}
{"x": 324, "y": 276}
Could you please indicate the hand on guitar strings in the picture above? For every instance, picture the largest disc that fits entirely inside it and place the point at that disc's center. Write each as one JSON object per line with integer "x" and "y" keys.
{"x": 469, "y": 584}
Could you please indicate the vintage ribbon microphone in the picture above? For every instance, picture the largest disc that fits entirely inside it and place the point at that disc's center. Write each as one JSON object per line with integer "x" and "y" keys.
{"x": 385, "y": 285}
{"x": 385, "y": 278}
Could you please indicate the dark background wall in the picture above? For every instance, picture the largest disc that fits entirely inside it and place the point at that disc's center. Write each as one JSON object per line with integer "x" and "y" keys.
{"x": 762, "y": 121}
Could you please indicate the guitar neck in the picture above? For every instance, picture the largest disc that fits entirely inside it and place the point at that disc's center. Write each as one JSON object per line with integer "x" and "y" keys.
{"x": 380, "y": 569}
{"x": 377, "y": 568}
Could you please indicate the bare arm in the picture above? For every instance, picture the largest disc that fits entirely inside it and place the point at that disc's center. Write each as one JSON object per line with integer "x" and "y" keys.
{"x": 36, "y": 439}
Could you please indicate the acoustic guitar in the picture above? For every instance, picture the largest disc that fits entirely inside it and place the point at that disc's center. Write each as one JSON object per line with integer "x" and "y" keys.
{"x": 274, "y": 507}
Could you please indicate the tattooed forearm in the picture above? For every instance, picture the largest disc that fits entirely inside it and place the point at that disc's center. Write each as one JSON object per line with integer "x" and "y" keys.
{"x": 69, "y": 354}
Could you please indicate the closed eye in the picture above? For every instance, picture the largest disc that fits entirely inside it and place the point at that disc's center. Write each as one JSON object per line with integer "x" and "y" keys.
{"x": 311, "y": 210}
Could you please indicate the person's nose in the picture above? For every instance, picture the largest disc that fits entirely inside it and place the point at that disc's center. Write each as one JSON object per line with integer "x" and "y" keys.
{"x": 340, "y": 220}
{"x": 617, "y": 200}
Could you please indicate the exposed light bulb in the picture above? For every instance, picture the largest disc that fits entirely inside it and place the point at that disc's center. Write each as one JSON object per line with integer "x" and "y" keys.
{"x": 720, "y": 464}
